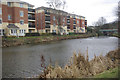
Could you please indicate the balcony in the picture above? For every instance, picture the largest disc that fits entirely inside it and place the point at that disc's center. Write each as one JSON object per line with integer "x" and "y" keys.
{"x": 31, "y": 10}
{"x": 47, "y": 26}
{"x": 68, "y": 27}
{"x": 68, "y": 17}
{"x": 47, "y": 13}
{"x": 31, "y": 18}
{"x": 74, "y": 22}
{"x": 74, "y": 27}
{"x": 74, "y": 18}
{"x": 31, "y": 26}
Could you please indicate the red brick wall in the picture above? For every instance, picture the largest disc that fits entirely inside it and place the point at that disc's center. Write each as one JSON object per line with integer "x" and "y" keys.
{"x": 15, "y": 13}
{"x": 41, "y": 24}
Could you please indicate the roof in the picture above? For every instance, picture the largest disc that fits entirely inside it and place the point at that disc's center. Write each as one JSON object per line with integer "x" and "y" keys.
{"x": 12, "y": 26}
{"x": 19, "y": 1}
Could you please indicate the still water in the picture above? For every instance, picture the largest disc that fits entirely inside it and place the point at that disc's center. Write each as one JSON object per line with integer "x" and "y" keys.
{"x": 25, "y": 61}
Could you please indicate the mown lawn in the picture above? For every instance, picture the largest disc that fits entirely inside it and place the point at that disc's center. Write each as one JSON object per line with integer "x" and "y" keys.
{"x": 112, "y": 73}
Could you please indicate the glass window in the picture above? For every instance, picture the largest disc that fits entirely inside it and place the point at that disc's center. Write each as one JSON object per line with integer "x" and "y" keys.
{"x": 9, "y": 17}
{"x": 21, "y": 5}
{"x": 21, "y": 13}
{"x": 63, "y": 19}
{"x": 54, "y": 24}
{"x": 83, "y": 22}
{"x": 0, "y": 32}
{"x": 0, "y": 11}
{"x": 54, "y": 18}
{"x": 11, "y": 31}
{"x": 21, "y": 22}
{"x": 77, "y": 22}
{"x": 9, "y": 4}
{"x": 0, "y": 20}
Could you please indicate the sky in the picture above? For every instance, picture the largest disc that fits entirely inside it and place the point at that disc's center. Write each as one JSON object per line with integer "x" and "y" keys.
{"x": 91, "y": 9}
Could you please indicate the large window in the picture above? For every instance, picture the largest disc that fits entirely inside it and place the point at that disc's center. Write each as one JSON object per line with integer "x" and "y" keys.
{"x": 54, "y": 18}
{"x": 2, "y": 32}
{"x": 21, "y": 5}
{"x": 9, "y": 4}
{"x": 83, "y": 22}
{"x": 9, "y": 17}
{"x": 0, "y": 11}
{"x": 0, "y": 20}
{"x": 22, "y": 31}
{"x": 77, "y": 22}
{"x": 22, "y": 22}
{"x": 21, "y": 14}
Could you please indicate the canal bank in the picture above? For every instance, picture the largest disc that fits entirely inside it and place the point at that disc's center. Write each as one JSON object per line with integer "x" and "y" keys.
{"x": 9, "y": 42}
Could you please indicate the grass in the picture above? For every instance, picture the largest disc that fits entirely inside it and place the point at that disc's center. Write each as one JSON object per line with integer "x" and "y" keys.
{"x": 112, "y": 73}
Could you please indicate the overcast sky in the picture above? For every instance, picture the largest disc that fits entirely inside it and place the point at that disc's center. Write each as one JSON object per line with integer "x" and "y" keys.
{"x": 91, "y": 9}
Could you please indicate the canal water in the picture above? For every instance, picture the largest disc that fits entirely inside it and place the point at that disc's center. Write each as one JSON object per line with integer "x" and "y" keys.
{"x": 25, "y": 61}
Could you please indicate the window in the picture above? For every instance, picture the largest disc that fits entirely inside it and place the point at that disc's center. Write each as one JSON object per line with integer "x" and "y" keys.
{"x": 21, "y": 5}
{"x": 0, "y": 20}
{"x": 63, "y": 19}
{"x": 9, "y": 4}
{"x": 21, "y": 22}
{"x": 21, "y": 13}
{"x": 77, "y": 22}
{"x": 11, "y": 31}
{"x": 0, "y": 11}
{"x": 9, "y": 17}
{"x": 83, "y": 22}
{"x": 54, "y": 24}
{"x": 54, "y": 18}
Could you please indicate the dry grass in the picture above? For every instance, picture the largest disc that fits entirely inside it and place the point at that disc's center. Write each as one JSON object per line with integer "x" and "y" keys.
{"x": 81, "y": 67}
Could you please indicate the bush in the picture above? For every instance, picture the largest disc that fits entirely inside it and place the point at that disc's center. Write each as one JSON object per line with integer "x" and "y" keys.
{"x": 47, "y": 34}
{"x": 32, "y": 34}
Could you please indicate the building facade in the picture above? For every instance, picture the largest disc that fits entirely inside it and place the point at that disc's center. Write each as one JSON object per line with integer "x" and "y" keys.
{"x": 18, "y": 18}
{"x": 49, "y": 20}
{"x": 15, "y": 18}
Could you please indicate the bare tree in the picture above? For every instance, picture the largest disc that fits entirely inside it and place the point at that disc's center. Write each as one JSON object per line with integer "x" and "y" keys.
{"x": 57, "y": 5}
{"x": 101, "y": 21}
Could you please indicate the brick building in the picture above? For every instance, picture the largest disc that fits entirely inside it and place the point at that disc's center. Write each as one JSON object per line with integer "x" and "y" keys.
{"x": 18, "y": 17}
{"x": 49, "y": 20}
{"x": 15, "y": 18}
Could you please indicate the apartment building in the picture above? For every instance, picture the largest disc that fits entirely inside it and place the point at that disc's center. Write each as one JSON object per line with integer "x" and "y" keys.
{"x": 75, "y": 23}
{"x": 49, "y": 20}
{"x": 15, "y": 18}
{"x": 18, "y": 17}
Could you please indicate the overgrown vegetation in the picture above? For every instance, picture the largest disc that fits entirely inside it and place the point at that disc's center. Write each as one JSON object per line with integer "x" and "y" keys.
{"x": 80, "y": 66}
{"x": 15, "y": 41}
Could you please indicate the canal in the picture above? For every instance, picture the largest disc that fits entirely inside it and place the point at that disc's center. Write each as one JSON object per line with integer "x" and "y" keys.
{"x": 25, "y": 61}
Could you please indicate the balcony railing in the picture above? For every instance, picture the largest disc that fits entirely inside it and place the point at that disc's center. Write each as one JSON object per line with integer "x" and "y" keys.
{"x": 74, "y": 27}
{"x": 48, "y": 13}
{"x": 31, "y": 26}
{"x": 47, "y": 19}
{"x": 68, "y": 17}
{"x": 31, "y": 10}
{"x": 47, "y": 26}
{"x": 31, "y": 18}
{"x": 74, "y": 18}
{"x": 68, "y": 27}
{"x": 74, "y": 22}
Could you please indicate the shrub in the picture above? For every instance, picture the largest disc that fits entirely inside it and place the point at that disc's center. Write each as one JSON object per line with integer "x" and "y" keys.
{"x": 32, "y": 34}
